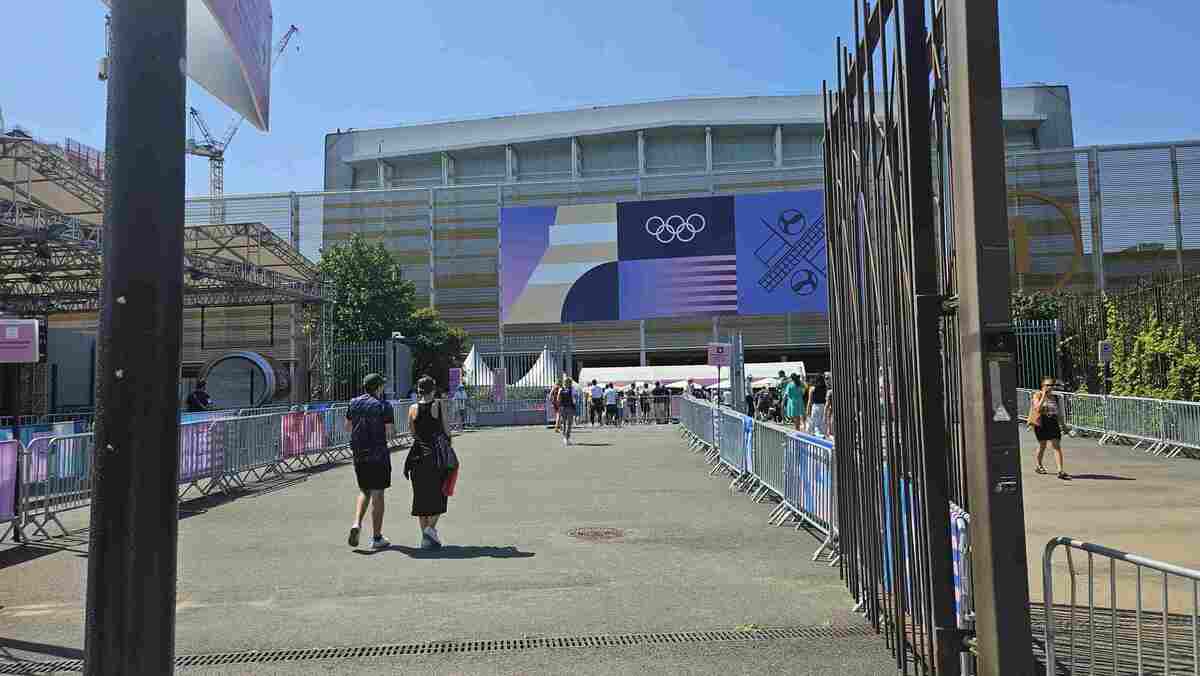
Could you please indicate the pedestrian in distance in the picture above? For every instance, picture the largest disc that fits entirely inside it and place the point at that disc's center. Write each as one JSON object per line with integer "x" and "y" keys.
{"x": 199, "y": 400}
{"x": 611, "y": 405}
{"x": 597, "y": 410}
{"x": 818, "y": 394}
{"x": 370, "y": 422}
{"x": 566, "y": 408}
{"x": 1044, "y": 421}
{"x": 793, "y": 397}
{"x": 554, "y": 405}
{"x": 426, "y": 420}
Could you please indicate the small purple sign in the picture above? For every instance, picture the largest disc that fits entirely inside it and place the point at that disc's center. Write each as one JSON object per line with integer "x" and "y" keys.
{"x": 18, "y": 341}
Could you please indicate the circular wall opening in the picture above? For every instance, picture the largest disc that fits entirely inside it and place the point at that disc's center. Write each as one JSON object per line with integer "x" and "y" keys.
{"x": 245, "y": 379}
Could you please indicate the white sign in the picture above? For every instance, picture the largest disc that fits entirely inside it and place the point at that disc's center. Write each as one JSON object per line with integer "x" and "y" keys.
{"x": 229, "y": 53}
{"x": 720, "y": 354}
{"x": 1106, "y": 351}
{"x": 20, "y": 342}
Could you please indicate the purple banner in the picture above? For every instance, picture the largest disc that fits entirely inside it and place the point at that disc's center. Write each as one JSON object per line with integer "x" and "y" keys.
{"x": 200, "y": 450}
{"x": 8, "y": 479}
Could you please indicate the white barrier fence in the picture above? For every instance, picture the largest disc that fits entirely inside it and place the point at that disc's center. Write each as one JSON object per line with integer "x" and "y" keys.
{"x": 54, "y": 474}
{"x": 1160, "y": 427}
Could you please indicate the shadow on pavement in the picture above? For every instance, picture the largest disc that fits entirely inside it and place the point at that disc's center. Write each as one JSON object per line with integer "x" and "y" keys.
{"x": 8, "y": 644}
{"x": 453, "y": 552}
{"x": 585, "y": 443}
{"x": 201, "y": 505}
{"x": 1102, "y": 477}
{"x": 75, "y": 542}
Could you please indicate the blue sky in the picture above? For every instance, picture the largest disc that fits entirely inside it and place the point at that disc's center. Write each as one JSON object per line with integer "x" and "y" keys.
{"x": 371, "y": 63}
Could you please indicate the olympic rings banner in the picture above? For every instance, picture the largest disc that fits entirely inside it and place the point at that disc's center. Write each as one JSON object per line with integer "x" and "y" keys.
{"x": 755, "y": 254}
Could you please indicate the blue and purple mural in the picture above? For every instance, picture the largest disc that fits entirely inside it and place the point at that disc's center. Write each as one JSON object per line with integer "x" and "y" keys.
{"x": 744, "y": 254}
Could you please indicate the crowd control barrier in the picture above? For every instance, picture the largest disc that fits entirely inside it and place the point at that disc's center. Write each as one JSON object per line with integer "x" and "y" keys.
{"x": 765, "y": 460}
{"x": 1160, "y": 427}
{"x": 1141, "y": 616}
{"x": 54, "y": 474}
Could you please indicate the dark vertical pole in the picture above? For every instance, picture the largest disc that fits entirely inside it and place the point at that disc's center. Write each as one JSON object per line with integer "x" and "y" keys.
{"x": 130, "y": 621}
{"x": 998, "y": 557}
{"x": 929, "y": 462}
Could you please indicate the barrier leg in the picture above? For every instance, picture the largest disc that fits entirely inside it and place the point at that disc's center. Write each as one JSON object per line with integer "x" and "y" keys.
{"x": 821, "y": 550}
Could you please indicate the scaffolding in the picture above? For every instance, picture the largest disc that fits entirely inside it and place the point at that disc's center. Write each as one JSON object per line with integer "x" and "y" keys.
{"x": 51, "y": 229}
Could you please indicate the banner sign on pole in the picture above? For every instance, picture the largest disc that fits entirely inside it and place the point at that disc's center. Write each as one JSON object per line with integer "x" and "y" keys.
{"x": 720, "y": 354}
{"x": 229, "y": 54}
{"x": 18, "y": 341}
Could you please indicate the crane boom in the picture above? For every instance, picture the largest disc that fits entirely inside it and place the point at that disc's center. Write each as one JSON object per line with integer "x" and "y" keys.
{"x": 279, "y": 49}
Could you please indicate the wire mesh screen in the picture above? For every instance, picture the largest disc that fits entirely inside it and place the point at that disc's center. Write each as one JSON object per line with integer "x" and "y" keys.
{"x": 1037, "y": 351}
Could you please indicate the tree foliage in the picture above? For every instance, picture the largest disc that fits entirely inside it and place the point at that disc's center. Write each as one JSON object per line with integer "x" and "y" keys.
{"x": 370, "y": 299}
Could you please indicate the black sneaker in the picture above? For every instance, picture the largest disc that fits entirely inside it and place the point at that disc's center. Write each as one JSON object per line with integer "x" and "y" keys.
{"x": 353, "y": 539}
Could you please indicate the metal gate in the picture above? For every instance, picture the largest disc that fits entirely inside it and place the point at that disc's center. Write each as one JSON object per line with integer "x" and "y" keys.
{"x": 1037, "y": 351}
{"x": 924, "y": 410}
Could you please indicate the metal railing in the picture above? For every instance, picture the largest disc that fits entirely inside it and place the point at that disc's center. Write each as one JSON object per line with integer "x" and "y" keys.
{"x": 1154, "y": 633}
{"x": 1160, "y": 427}
{"x": 53, "y": 474}
{"x": 767, "y": 460}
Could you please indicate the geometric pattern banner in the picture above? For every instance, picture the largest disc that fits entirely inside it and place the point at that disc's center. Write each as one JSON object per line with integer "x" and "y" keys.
{"x": 745, "y": 254}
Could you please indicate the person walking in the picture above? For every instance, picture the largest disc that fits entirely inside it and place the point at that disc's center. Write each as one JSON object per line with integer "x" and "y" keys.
{"x": 597, "y": 409}
{"x": 199, "y": 400}
{"x": 793, "y": 397}
{"x": 611, "y": 407}
{"x": 370, "y": 422}
{"x": 566, "y": 409}
{"x": 460, "y": 405}
{"x": 1043, "y": 420}
{"x": 426, "y": 420}
{"x": 552, "y": 398}
{"x": 817, "y": 397}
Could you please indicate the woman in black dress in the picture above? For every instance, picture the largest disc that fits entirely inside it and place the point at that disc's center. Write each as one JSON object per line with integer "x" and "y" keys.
{"x": 1043, "y": 418}
{"x": 426, "y": 419}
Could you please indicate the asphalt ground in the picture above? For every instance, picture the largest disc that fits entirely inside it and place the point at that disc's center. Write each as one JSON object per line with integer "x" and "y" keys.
{"x": 270, "y": 570}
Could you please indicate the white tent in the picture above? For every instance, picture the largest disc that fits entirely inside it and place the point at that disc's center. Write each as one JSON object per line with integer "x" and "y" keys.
{"x": 701, "y": 373}
{"x": 545, "y": 372}
{"x": 475, "y": 372}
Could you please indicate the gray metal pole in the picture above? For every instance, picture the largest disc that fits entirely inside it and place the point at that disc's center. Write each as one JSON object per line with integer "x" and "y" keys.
{"x": 1096, "y": 199}
{"x": 999, "y": 571}
{"x": 1178, "y": 210}
{"x": 130, "y": 621}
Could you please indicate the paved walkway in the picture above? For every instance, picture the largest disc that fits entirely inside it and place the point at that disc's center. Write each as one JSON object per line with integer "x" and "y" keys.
{"x": 270, "y": 570}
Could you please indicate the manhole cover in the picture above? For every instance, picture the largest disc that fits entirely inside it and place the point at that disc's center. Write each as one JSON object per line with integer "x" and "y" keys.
{"x": 596, "y": 534}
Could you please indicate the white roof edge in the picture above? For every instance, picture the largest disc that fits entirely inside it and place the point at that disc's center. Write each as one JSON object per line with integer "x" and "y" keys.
{"x": 437, "y": 148}
{"x": 607, "y": 107}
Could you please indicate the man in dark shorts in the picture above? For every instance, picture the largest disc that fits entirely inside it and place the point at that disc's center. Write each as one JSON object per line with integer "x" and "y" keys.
{"x": 369, "y": 421}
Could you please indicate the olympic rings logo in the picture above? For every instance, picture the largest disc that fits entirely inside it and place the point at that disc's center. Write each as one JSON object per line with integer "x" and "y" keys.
{"x": 675, "y": 228}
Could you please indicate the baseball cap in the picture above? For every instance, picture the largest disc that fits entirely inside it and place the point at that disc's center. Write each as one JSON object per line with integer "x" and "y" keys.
{"x": 372, "y": 381}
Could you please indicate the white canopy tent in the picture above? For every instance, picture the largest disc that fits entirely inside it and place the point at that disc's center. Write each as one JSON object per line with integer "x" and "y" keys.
{"x": 475, "y": 372}
{"x": 677, "y": 376}
{"x": 544, "y": 373}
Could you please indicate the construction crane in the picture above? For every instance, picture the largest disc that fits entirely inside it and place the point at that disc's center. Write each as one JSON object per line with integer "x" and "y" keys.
{"x": 214, "y": 148}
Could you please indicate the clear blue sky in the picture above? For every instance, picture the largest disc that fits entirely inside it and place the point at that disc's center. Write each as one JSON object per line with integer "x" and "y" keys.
{"x": 372, "y": 63}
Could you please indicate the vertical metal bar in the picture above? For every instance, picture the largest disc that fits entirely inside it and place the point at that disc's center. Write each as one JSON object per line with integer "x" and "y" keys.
{"x": 989, "y": 416}
{"x": 499, "y": 263}
{"x": 1138, "y": 621}
{"x": 931, "y": 446}
{"x": 432, "y": 249}
{"x": 1097, "y": 202}
{"x": 1166, "y": 619}
{"x": 1091, "y": 582}
{"x": 778, "y": 146}
{"x": 642, "y": 339}
{"x": 130, "y": 619}
{"x": 1112, "y": 602}
{"x": 1178, "y": 213}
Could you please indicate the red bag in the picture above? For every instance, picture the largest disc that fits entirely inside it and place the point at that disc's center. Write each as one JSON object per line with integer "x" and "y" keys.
{"x": 448, "y": 484}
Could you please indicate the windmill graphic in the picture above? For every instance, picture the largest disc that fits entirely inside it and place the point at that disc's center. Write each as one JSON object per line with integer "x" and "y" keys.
{"x": 782, "y": 256}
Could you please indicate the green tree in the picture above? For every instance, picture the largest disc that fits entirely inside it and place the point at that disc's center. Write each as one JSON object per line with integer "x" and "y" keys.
{"x": 370, "y": 299}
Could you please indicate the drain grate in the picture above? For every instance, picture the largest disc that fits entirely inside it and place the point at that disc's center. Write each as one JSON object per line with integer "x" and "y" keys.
{"x": 482, "y": 646}
{"x": 596, "y": 534}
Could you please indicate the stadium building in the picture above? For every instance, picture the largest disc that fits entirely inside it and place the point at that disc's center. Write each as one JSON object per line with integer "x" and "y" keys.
{"x": 458, "y": 201}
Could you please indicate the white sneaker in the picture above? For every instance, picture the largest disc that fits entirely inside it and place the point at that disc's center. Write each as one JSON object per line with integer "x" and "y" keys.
{"x": 380, "y": 542}
{"x": 430, "y": 536}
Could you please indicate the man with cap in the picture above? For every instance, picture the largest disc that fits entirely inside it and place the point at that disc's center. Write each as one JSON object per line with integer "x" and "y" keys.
{"x": 369, "y": 421}
{"x": 199, "y": 400}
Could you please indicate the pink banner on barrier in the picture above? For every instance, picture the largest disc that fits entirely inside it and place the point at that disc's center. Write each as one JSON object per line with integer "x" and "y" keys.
{"x": 8, "y": 479}
{"x": 38, "y": 469}
{"x": 302, "y": 433}
{"x": 199, "y": 452}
